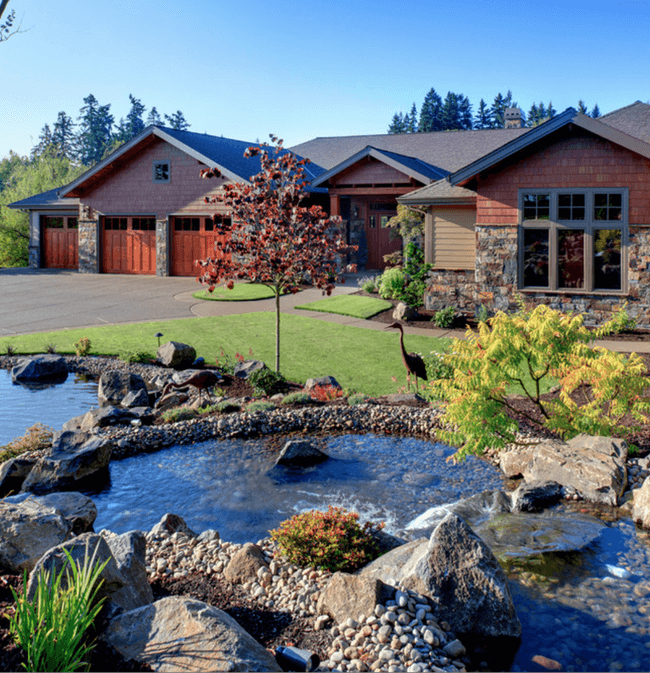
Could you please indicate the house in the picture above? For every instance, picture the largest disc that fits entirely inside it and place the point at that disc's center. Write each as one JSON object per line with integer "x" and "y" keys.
{"x": 142, "y": 209}
{"x": 560, "y": 214}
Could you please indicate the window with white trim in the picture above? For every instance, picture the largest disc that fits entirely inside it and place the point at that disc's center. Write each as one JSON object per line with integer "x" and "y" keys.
{"x": 573, "y": 239}
{"x": 161, "y": 171}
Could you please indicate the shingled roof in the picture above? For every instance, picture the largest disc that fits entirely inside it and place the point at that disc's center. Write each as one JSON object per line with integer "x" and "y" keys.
{"x": 632, "y": 119}
{"x": 46, "y": 200}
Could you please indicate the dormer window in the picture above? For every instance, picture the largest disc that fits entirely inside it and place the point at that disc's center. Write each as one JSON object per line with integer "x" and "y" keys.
{"x": 161, "y": 172}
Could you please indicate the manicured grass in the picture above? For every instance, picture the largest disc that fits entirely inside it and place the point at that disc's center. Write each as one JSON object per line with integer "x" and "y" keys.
{"x": 241, "y": 292}
{"x": 352, "y": 305}
{"x": 360, "y": 359}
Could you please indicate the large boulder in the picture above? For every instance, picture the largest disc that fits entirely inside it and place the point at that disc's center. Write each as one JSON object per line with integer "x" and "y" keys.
{"x": 129, "y": 551}
{"x": 170, "y": 524}
{"x": 321, "y": 381}
{"x": 115, "y": 386}
{"x": 459, "y": 574}
{"x": 404, "y": 312}
{"x": 245, "y": 564}
{"x": 13, "y": 473}
{"x": 352, "y": 596}
{"x": 40, "y": 369}
{"x": 244, "y": 369}
{"x": 176, "y": 355}
{"x": 27, "y": 530}
{"x": 182, "y": 634}
{"x": 536, "y": 496}
{"x": 300, "y": 453}
{"x": 593, "y": 467}
{"x": 77, "y": 459}
{"x": 641, "y": 504}
{"x": 77, "y": 509}
{"x": 106, "y": 416}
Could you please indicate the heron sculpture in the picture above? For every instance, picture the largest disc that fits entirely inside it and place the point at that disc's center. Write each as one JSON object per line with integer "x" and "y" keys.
{"x": 412, "y": 361}
{"x": 201, "y": 381}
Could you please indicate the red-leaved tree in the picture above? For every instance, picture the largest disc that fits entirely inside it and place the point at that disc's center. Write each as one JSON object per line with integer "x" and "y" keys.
{"x": 270, "y": 238}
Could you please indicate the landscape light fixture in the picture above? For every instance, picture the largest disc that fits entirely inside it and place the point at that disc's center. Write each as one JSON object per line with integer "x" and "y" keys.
{"x": 158, "y": 334}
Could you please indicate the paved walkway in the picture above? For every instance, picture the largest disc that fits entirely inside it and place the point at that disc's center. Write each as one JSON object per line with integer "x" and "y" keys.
{"x": 42, "y": 300}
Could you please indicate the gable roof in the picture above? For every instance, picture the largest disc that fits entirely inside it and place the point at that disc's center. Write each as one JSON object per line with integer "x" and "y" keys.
{"x": 225, "y": 154}
{"x": 46, "y": 201}
{"x": 632, "y": 119}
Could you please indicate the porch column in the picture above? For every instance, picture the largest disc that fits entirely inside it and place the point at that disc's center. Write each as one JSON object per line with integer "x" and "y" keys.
{"x": 335, "y": 205}
{"x": 88, "y": 241}
{"x": 162, "y": 247}
{"x": 34, "y": 240}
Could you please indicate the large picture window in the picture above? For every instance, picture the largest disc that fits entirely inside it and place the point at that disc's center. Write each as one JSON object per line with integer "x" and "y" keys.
{"x": 573, "y": 240}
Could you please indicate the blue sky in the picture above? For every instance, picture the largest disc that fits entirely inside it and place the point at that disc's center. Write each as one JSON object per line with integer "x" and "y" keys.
{"x": 314, "y": 68}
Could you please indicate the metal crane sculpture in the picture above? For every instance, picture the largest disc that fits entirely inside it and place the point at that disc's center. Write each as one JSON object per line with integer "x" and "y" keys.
{"x": 412, "y": 361}
{"x": 201, "y": 381}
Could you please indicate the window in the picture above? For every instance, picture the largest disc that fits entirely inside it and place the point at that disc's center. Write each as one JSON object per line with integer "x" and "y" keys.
{"x": 161, "y": 172}
{"x": 143, "y": 224}
{"x": 115, "y": 223}
{"x": 573, "y": 239}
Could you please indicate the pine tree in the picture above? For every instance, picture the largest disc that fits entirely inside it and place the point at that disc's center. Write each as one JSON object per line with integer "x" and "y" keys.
{"x": 44, "y": 141}
{"x": 550, "y": 110}
{"x": 450, "y": 114}
{"x": 595, "y": 112}
{"x": 532, "y": 118}
{"x": 177, "y": 121}
{"x": 412, "y": 122}
{"x": 499, "y": 107}
{"x": 95, "y": 124}
{"x": 430, "y": 113}
{"x": 397, "y": 124}
{"x": 483, "y": 119}
{"x": 582, "y": 108}
{"x": 134, "y": 123}
{"x": 153, "y": 118}
{"x": 465, "y": 110}
{"x": 63, "y": 135}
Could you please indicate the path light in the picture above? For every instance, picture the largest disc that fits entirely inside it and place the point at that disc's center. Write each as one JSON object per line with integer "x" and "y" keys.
{"x": 158, "y": 334}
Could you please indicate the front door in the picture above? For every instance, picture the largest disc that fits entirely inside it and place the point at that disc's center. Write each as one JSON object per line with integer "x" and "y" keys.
{"x": 381, "y": 239}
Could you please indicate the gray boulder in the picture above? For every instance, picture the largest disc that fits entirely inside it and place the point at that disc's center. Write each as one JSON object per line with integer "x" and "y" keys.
{"x": 13, "y": 473}
{"x": 321, "y": 381}
{"x": 129, "y": 551}
{"x": 106, "y": 416}
{"x": 514, "y": 463}
{"x": 405, "y": 398}
{"x": 244, "y": 369}
{"x": 300, "y": 453}
{"x": 172, "y": 523}
{"x": 182, "y": 634}
{"x": 176, "y": 355}
{"x": 641, "y": 504}
{"x": 27, "y": 530}
{"x": 536, "y": 496}
{"x": 245, "y": 564}
{"x": 404, "y": 312}
{"x": 352, "y": 596}
{"x": 595, "y": 467}
{"x": 75, "y": 457}
{"x": 136, "y": 398}
{"x": 115, "y": 386}
{"x": 77, "y": 509}
{"x": 40, "y": 369}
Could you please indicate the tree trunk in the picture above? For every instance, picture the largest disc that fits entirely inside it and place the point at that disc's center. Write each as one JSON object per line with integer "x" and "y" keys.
{"x": 277, "y": 329}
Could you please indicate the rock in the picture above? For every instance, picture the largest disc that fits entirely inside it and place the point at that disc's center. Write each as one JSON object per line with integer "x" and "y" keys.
{"x": 136, "y": 398}
{"x": 244, "y": 369}
{"x": 40, "y": 369}
{"x": 454, "y": 649}
{"x": 171, "y": 400}
{"x": 641, "y": 504}
{"x": 129, "y": 552}
{"x": 592, "y": 466}
{"x": 209, "y": 535}
{"x": 300, "y": 453}
{"x": 13, "y": 473}
{"x": 535, "y": 497}
{"x": 182, "y": 634}
{"x": 176, "y": 355}
{"x": 385, "y": 541}
{"x": 389, "y": 568}
{"x": 172, "y": 523}
{"x": 87, "y": 546}
{"x": 405, "y": 398}
{"x": 76, "y": 458}
{"x": 245, "y": 564}
{"x": 27, "y": 530}
{"x": 404, "y": 312}
{"x": 77, "y": 509}
{"x": 514, "y": 463}
{"x": 321, "y": 381}
{"x": 115, "y": 386}
{"x": 106, "y": 416}
{"x": 351, "y": 596}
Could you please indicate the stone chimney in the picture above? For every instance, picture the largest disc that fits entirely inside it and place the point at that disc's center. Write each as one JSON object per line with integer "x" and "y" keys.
{"x": 514, "y": 118}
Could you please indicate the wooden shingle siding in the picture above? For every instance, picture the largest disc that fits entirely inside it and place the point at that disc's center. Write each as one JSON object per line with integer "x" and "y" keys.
{"x": 453, "y": 238}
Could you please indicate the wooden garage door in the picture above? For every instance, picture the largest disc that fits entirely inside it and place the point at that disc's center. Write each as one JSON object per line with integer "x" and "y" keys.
{"x": 60, "y": 243}
{"x": 193, "y": 238}
{"x": 129, "y": 245}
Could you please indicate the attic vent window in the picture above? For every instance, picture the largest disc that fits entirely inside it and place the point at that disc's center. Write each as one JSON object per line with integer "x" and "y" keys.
{"x": 161, "y": 172}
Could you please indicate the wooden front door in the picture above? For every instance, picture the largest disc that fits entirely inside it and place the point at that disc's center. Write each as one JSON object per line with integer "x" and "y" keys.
{"x": 60, "y": 243}
{"x": 378, "y": 237}
{"x": 129, "y": 245}
{"x": 193, "y": 238}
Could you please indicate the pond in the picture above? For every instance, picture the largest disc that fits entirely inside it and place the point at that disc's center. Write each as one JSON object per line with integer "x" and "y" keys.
{"x": 52, "y": 405}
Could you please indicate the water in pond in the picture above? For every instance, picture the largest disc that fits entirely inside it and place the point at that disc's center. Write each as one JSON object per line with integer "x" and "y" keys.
{"x": 53, "y": 405}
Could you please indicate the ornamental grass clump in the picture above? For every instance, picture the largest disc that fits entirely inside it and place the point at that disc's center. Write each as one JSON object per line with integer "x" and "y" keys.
{"x": 528, "y": 353}
{"x": 36, "y": 438}
{"x": 333, "y": 540}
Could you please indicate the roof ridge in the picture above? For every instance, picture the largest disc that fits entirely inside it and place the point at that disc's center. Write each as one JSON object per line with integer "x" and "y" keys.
{"x": 620, "y": 109}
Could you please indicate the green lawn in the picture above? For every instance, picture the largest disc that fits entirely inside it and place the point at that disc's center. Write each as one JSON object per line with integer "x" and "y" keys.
{"x": 241, "y": 292}
{"x": 352, "y": 305}
{"x": 360, "y": 359}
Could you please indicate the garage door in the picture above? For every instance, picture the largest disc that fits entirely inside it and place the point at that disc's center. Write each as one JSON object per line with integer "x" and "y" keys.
{"x": 60, "y": 243}
{"x": 129, "y": 245}
{"x": 193, "y": 238}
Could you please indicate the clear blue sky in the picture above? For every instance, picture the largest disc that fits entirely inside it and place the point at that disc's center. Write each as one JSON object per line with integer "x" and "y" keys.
{"x": 244, "y": 69}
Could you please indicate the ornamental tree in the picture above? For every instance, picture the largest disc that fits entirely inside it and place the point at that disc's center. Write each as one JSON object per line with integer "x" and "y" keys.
{"x": 270, "y": 238}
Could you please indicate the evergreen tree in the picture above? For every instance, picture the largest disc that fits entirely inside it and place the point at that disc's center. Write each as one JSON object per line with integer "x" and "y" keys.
{"x": 582, "y": 108}
{"x": 483, "y": 119}
{"x": 430, "y": 113}
{"x": 550, "y": 110}
{"x": 499, "y": 107}
{"x": 465, "y": 110}
{"x": 412, "y": 121}
{"x": 95, "y": 135}
{"x": 397, "y": 124}
{"x": 596, "y": 111}
{"x": 177, "y": 121}
{"x": 63, "y": 135}
{"x": 532, "y": 118}
{"x": 153, "y": 118}
{"x": 450, "y": 113}
{"x": 44, "y": 141}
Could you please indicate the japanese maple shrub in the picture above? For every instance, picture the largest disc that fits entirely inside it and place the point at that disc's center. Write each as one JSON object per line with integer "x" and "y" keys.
{"x": 333, "y": 540}
{"x": 269, "y": 236}
{"x": 532, "y": 350}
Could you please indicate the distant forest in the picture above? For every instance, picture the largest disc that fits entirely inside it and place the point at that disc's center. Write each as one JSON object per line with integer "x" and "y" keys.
{"x": 455, "y": 113}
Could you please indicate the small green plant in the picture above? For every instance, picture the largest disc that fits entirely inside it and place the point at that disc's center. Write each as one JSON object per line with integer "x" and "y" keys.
{"x": 626, "y": 323}
{"x": 52, "y": 629}
{"x": 178, "y": 414}
{"x": 327, "y": 393}
{"x": 368, "y": 284}
{"x": 391, "y": 283}
{"x": 208, "y": 409}
{"x": 259, "y": 405}
{"x": 11, "y": 349}
{"x": 444, "y": 318}
{"x": 298, "y": 398}
{"x": 227, "y": 407}
{"x": 132, "y": 356}
{"x": 37, "y": 438}
{"x": 227, "y": 363}
{"x": 333, "y": 540}
{"x": 50, "y": 348}
{"x": 82, "y": 347}
{"x": 437, "y": 366}
{"x": 482, "y": 313}
{"x": 267, "y": 382}
{"x": 359, "y": 398}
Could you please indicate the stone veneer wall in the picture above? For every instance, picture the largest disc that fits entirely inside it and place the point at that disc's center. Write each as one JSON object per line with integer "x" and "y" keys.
{"x": 89, "y": 245}
{"x": 451, "y": 288}
{"x": 163, "y": 238}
